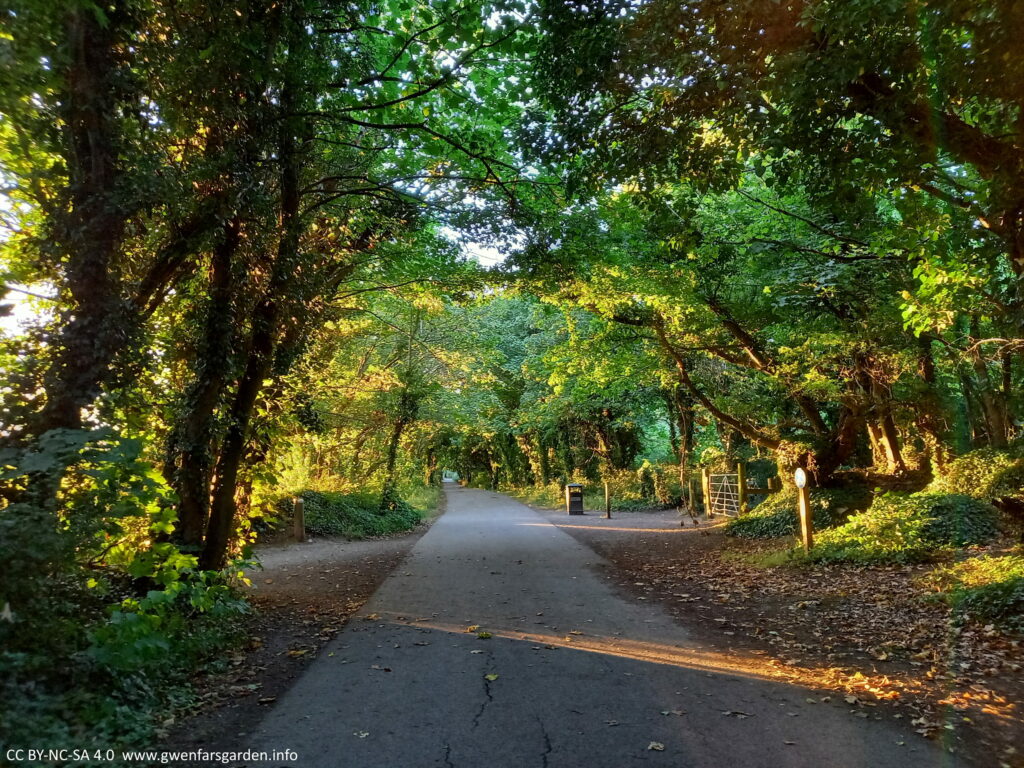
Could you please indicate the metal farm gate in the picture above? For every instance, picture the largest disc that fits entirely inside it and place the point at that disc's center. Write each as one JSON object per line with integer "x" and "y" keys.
{"x": 724, "y": 494}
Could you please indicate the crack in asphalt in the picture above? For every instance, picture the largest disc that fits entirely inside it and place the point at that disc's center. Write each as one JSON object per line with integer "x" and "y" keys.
{"x": 489, "y": 697}
{"x": 448, "y": 756}
{"x": 547, "y": 744}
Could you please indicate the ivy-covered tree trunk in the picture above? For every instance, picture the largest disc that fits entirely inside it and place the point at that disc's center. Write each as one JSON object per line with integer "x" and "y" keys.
{"x": 407, "y": 407}
{"x": 91, "y": 230}
{"x": 189, "y": 464}
{"x": 681, "y": 414}
{"x": 269, "y": 310}
{"x": 928, "y": 407}
{"x": 543, "y": 461}
{"x": 840, "y": 445}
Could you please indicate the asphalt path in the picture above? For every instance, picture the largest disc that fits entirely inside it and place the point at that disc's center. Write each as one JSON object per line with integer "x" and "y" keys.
{"x": 574, "y": 674}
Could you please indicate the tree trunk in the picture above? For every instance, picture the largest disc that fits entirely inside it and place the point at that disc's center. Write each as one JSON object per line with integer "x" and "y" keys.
{"x": 890, "y": 443}
{"x": 543, "y": 461}
{"x": 841, "y": 446}
{"x": 92, "y": 229}
{"x": 388, "y": 496}
{"x": 673, "y": 434}
{"x": 929, "y": 408}
{"x": 887, "y": 436}
{"x": 189, "y": 464}
{"x": 268, "y": 312}
{"x": 993, "y": 404}
{"x": 683, "y": 408}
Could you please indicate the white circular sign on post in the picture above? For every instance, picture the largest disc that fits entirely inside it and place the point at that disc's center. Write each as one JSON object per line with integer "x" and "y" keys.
{"x": 800, "y": 478}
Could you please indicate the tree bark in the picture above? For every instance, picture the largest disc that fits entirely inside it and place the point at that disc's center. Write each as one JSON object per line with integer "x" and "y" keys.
{"x": 189, "y": 463}
{"x": 406, "y": 414}
{"x": 92, "y": 229}
{"x": 993, "y": 404}
{"x": 268, "y": 312}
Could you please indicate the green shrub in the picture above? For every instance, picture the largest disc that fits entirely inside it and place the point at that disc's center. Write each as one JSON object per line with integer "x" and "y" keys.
{"x": 121, "y": 672}
{"x": 777, "y": 515}
{"x": 908, "y": 527}
{"x": 352, "y": 515}
{"x": 109, "y": 620}
{"x": 985, "y": 474}
{"x": 990, "y": 588}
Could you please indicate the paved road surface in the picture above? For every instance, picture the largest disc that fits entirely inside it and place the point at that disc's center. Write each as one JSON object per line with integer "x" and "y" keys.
{"x": 408, "y": 687}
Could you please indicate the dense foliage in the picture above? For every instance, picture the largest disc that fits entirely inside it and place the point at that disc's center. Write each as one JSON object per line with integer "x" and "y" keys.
{"x": 352, "y": 516}
{"x": 777, "y": 515}
{"x": 908, "y": 527}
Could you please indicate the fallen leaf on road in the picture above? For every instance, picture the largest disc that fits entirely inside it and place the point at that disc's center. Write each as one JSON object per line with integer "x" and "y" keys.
{"x": 371, "y": 617}
{"x": 740, "y": 715}
{"x": 361, "y": 734}
{"x": 476, "y": 651}
{"x": 267, "y": 700}
{"x": 298, "y": 652}
{"x": 676, "y": 712}
{"x": 379, "y": 668}
{"x": 490, "y": 678}
{"x": 657, "y": 746}
{"x": 484, "y": 635}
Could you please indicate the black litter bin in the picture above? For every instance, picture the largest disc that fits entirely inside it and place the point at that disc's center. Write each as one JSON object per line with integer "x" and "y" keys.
{"x": 574, "y": 499}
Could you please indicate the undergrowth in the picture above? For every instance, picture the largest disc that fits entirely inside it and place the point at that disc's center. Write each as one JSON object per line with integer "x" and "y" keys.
{"x": 107, "y": 621}
{"x": 987, "y": 474}
{"x": 777, "y": 515}
{"x": 352, "y": 515}
{"x": 913, "y": 527}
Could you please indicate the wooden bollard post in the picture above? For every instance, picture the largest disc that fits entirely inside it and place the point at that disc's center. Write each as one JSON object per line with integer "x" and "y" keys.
{"x": 741, "y": 487}
{"x": 607, "y": 501}
{"x": 803, "y": 505}
{"x": 299, "y": 519}
{"x": 705, "y": 487}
